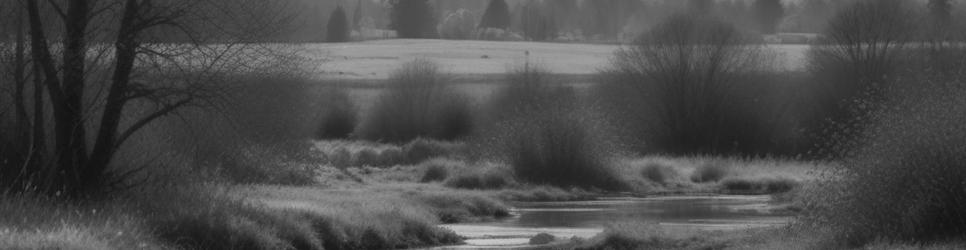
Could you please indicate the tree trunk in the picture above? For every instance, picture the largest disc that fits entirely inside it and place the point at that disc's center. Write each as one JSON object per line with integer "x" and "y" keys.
{"x": 126, "y": 51}
{"x": 71, "y": 134}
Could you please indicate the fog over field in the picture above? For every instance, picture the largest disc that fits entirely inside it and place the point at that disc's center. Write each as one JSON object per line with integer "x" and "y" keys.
{"x": 482, "y": 124}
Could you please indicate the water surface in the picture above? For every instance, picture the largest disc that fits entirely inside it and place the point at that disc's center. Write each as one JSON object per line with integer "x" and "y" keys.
{"x": 587, "y": 218}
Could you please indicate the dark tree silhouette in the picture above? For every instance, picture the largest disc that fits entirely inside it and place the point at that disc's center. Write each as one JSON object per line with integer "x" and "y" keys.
{"x": 769, "y": 14}
{"x": 537, "y": 24}
{"x": 940, "y": 19}
{"x": 564, "y": 12}
{"x": 72, "y": 148}
{"x": 337, "y": 30}
{"x": 357, "y": 17}
{"x": 412, "y": 18}
{"x": 497, "y": 15}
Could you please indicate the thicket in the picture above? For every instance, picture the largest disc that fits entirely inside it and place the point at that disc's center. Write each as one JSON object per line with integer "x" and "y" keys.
{"x": 418, "y": 103}
{"x": 695, "y": 85}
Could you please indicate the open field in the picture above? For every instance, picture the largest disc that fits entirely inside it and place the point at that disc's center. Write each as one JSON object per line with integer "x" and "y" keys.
{"x": 373, "y": 60}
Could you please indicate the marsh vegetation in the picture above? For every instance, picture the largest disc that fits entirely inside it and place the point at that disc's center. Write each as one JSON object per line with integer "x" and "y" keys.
{"x": 149, "y": 124}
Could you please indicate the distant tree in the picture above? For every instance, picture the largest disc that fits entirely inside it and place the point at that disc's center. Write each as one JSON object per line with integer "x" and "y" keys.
{"x": 940, "y": 18}
{"x": 769, "y": 14}
{"x": 814, "y": 14}
{"x": 412, "y": 18}
{"x": 337, "y": 31}
{"x": 857, "y": 59}
{"x": 458, "y": 25}
{"x": 357, "y": 17}
{"x": 537, "y": 24}
{"x": 564, "y": 12}
{"x": 608, "y": 17}
{"x": 497, "y": 15}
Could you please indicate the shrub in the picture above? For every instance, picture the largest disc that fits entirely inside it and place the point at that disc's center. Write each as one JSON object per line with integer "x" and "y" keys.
{"x": 903, "y": 178}
{"x": 538, "y": 129}
{"x": 458, "y": 207}
{"x": 851, "y": 74}
{"x": 418, "y": 103}
{"x": 338, "y": 116}
{"x": 659, "y": 173}
{"x": 484, "y": 177}
{"x": 710, "y": 172}
{"x": 434, "y": 172}
{"x": 684, "y": 86}
{"x": 561, "y": 149}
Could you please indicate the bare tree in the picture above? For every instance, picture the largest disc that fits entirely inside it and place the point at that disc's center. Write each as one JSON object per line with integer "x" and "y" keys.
{"x": 685, "y": 73}
{"x": 111, "y": 64}
{"x": 856, "y": 59}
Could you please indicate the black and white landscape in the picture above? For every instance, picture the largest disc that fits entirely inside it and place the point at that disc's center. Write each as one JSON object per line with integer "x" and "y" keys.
{"x": 482, "y": 124}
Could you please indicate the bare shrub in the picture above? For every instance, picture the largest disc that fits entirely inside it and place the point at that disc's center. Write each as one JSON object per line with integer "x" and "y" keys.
{"x": 418, "y": 103}
{"x": 682, "y": 85}
{"x": 858, "y": 55}
{"x": 547, "y": 138}
{"x": 902, "y": 180}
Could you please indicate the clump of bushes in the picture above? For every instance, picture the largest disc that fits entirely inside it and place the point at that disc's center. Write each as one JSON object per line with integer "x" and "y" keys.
{"x": 693, "y": 85}
{"x": 339, "y": 116}
{"x": 418, "y": 103}
{"x": 436, "y": 170}
{"x": 455, "y": 207}
{"x": 358, "y": 154}
{"x": 903, "y": 178}
{"x": 851, "y": 76}
{"x": 659, "y": 173}
{"x": 710, "y": 172}
{"x": 539, "y": 130}
{"x": 482, "y": 177}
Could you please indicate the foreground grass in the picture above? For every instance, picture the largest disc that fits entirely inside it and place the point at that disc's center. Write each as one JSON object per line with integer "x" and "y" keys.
{"x": 643, "y": 235}
{"x": 248, "y": 217}
{"x": 366, "y": 196}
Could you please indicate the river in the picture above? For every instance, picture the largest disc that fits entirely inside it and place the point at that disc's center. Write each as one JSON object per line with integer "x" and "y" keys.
{"x": 585, "y": 219}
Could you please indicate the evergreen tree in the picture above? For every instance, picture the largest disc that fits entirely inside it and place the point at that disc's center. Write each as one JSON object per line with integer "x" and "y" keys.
{"x": 412, "y": 18}
{"x": 357, "y": 17}
{"x": 769, "y": 14}
{"x": 537, "y": 24}
{"x": 337, "y": 30}
{"x": 497, "y": 15}
{"x": 939, "y": 12}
